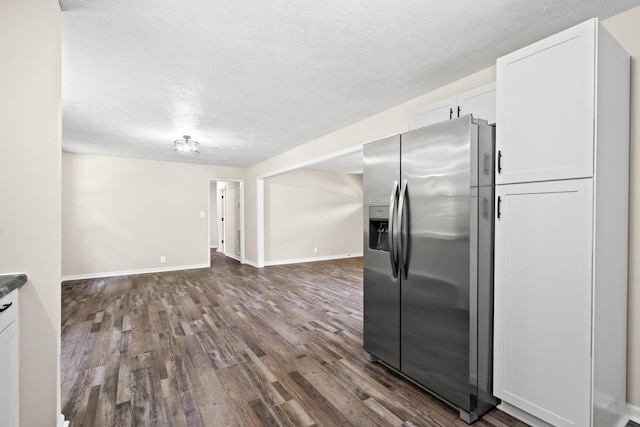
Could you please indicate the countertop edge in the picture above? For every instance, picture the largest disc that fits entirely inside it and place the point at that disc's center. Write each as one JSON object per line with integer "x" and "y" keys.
{"x": 11, "y": 282}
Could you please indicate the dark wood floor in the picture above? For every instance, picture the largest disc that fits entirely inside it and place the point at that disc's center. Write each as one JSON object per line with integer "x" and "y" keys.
{"x": 232, "y": 346}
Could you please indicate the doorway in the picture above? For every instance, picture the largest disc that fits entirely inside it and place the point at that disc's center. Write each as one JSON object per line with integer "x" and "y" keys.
{"x": 226, "y": 217}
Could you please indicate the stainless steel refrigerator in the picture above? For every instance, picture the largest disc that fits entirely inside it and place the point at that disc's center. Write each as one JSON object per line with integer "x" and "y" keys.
{"x": 428, "y": 259}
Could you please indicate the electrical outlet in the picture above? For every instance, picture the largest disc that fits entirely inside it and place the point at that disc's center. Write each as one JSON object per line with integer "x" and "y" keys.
{"x": 163, "y": 259}
{"x": 201, "y": 214}
{"x": 315, "y": 249}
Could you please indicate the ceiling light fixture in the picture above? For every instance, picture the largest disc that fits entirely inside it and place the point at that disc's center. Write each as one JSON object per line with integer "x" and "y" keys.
{"x": 185, "y": 146}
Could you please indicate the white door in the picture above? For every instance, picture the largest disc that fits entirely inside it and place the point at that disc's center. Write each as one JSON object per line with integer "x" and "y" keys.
{"x": 543, "y": 265}
{"x": 434, "y": 113}
{"x": 545, "y": 108}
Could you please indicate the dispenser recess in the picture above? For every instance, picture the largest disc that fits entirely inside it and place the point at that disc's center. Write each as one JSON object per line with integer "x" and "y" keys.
{"x": 379, "y": 228}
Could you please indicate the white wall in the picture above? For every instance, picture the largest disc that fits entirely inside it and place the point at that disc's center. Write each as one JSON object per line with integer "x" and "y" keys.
{"x": 213, "y": 214}
{"x": 122, "y": 215}
{"x": 624, "y": 27}
{"x": 233, "y": 213}
{"x": 30, "y": 192}
{"x": 308, "y": 209}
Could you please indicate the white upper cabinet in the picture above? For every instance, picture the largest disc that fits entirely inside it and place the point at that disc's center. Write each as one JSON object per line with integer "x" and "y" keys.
{"x": 434, "y": 113}
{"x": 545, "y": 108}
{"x": 481, "y": 102}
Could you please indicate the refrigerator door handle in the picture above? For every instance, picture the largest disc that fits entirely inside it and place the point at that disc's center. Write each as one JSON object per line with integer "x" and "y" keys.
{"x": 392, "y": 242}
{"x": 402, "y": 257}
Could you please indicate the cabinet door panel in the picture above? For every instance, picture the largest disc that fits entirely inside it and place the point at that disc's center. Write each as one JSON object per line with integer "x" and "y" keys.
{"x": 543, "y": 265}
{"x": 545, "y": 108}
{"x": 480, "y": 102}
{"x": 434, "y": 113}
{"x": 9, "y": 375}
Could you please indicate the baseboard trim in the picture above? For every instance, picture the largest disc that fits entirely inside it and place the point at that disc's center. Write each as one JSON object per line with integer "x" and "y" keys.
{"x": 634, "y": 412}
{"x": 236, "y": 257}
{"x": 130, "y": 272}
{"x": 522, "y": 415}
{"x": 213, "y": 247}
{"x": 314, "y": 259}
{"x": 622, "y": 422}
{"x": 62, "y": 422}
{"x": 251, "y": 263}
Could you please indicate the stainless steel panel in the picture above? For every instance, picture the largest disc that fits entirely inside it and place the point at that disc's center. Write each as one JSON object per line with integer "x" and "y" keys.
{"x": 473, "y": 136}
{"x": 486, "y": 400}
{"x": 473, "y": 292}
{"x": 381, "y": 289}
{"x": 435, "y": 337}
{"x": 485, "y": 243}
{"x": 486, "y": 142}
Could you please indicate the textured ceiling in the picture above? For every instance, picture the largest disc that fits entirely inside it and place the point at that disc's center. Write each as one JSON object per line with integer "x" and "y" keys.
{"x": 250, "y": 79}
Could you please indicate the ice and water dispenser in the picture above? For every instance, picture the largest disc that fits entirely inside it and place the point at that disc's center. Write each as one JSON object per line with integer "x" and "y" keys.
{"x": 379, "y": 228}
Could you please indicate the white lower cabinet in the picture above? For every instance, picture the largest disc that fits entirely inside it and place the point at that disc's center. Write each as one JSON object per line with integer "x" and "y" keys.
{"x": 543, "y": 299}
{"x": 9, "y": 360}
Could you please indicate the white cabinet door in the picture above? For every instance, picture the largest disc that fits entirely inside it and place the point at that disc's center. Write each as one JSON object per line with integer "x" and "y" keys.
{"x": 480, "y": 102}
{"x": 543, "y": 265}
{"x": 9, "y": 362}
{"x": 545, "y": 108}
{"x": 434, "y": 113}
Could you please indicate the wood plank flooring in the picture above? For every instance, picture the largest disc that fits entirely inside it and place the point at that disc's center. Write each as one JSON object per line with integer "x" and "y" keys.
{"x": 233, "y": 345}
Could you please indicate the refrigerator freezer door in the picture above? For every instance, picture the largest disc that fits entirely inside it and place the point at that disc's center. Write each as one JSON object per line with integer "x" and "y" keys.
{"x": 435, "y": 337}
{"x": 381, "y": 288}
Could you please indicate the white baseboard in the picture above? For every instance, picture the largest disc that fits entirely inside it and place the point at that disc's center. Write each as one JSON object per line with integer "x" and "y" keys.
{"x": 251, "y": 263}
{"x": 213, "y": 247}
{"x": 230, "y": 255}
{"x": 62, "y": 422}
{"x": 634, "y": 412}
{"x": 622, "y": 422}
{"x": 321, "y": 258}
{"x": 130, "y": 272}
{"x": 522, "y": 415}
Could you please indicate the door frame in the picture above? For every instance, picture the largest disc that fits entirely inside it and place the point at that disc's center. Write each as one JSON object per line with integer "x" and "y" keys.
{"x": 221, "y": 193}
{"x": 210, "y": 181}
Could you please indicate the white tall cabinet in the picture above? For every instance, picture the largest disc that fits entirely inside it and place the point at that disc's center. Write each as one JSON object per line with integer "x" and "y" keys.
{"x": 562, "y": 178}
